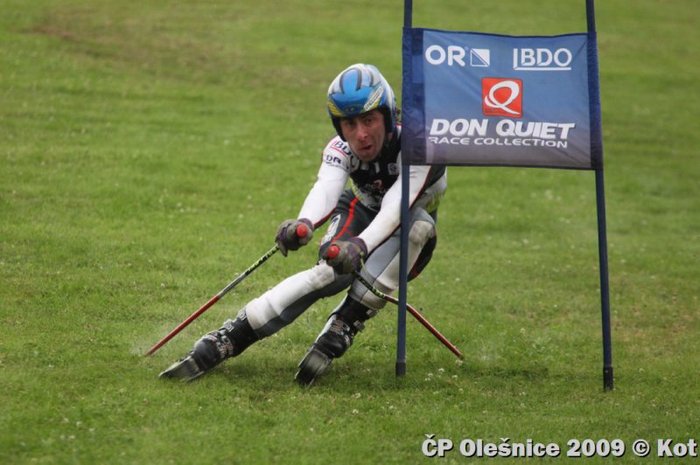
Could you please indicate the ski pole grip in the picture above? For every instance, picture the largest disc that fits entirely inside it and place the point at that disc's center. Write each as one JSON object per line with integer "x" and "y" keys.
{"x": 302, "y": 230}
{"x": 333, "y": 251}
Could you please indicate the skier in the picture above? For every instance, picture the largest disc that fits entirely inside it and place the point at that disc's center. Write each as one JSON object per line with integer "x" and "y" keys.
{"x": 363, "y": 230}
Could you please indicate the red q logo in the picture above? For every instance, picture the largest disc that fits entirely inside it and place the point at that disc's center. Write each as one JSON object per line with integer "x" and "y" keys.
{"x": 502, "y": 97}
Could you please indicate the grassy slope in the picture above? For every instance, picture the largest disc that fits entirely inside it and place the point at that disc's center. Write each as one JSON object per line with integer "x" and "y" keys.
{"x": 136, "y": 146}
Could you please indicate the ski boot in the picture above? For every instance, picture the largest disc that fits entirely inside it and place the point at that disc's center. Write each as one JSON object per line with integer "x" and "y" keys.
{"x": 335, "y": 339}
{"x": 212, "y": 349}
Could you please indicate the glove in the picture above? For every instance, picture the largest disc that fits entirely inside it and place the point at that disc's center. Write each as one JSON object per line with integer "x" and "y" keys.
{"x": 293, "y": 234}
{"x": 346, "y": 256}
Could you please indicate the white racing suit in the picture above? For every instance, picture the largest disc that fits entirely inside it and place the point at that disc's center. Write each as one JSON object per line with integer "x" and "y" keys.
{"x": 370, "y": 210}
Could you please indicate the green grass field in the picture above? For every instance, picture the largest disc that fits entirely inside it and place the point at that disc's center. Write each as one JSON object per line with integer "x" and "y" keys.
{"x": 148, "y": 151}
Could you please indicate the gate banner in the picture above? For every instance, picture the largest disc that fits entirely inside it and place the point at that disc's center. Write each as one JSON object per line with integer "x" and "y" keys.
{"x": 496, "y": 100}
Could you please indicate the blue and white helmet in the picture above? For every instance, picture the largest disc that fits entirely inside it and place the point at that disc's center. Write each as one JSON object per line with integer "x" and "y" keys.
{"x": 358, "y": 89}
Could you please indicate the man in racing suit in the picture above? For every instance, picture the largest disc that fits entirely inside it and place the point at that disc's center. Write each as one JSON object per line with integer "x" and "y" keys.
{"x": 364, "y": 230}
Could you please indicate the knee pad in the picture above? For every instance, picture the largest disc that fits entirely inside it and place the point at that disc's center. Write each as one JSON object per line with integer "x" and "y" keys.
{"x": 383, "y": 272}
{"x": 421, "y": 231}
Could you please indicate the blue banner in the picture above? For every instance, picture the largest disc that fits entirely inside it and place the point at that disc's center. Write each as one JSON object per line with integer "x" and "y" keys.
{"x": 495, "y": 100}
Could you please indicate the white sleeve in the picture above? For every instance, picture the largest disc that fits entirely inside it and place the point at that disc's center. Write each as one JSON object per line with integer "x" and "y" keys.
{"x": 389, "y": 216}
{"x": 330, "y": 182}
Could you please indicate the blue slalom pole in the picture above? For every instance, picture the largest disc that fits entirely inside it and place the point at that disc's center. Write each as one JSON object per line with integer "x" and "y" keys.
{"x": 403, "y": 258}
{"x": 608, "y": 379}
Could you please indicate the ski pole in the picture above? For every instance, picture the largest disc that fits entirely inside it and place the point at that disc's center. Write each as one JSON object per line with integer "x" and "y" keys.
{"x": 415, "y": 313}
{"x": 213, "y": 300}
{"x": 301, "y": 231}
{"x": 333, "y": 252}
